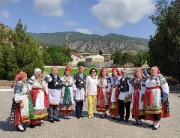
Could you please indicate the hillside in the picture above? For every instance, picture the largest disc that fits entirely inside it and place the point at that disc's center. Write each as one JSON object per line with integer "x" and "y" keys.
{"x": 92, "y": 43}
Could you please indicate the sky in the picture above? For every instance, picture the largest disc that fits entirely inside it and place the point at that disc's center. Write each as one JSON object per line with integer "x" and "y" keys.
{"x": 126, "y": 17}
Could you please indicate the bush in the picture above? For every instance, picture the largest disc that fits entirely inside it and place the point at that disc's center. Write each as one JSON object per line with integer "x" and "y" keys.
{"x": 81, "y": 63}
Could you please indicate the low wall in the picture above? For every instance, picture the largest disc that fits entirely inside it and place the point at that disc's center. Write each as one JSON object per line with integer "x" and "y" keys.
{"x": 99, "y": 64}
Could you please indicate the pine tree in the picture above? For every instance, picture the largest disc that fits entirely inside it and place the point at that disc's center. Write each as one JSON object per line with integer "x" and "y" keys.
{"x": 165, "y": 44}
{"x": 18, "y": 52}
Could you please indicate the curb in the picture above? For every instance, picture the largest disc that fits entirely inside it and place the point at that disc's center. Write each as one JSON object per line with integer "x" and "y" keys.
{"x": 6, "y": 90}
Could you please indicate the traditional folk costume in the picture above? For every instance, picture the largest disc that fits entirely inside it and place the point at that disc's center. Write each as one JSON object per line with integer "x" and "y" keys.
{"x": 66, "y": 106}
{"x": 114, "y": 94}
{"x": 20, "y": 108}
{"x": 40, "y": 102}
{"x": 124, "y": 99}
{"x": 79, "y": 95}
{"x": 54, "y": 91}
{"x": 137, "y": 87}
{"x": 104, "y": 86}
{"x": 156, "y": 99}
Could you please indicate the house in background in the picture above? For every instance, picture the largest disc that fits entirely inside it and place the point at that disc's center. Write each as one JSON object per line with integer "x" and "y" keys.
{"x": 98, "y": 61}
{"x": 76, "y": 57}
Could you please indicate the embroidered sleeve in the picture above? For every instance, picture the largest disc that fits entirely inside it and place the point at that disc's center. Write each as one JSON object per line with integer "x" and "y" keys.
{"x": 17, "y": 92}
{"x": 130, "y": 83}
{"x": 164, "y": 84}
{"x": 48, "y": 78}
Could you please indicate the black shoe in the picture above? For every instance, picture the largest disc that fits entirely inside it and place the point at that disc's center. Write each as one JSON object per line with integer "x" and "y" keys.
{"x": 32, "y": 126}
{"x": 102, "y": 116}
{"x": 154, "y": 128}
{"x": 57, "y": 120}
{"x": 120, "y": 120}
{"x": 78, "y": 117}
{"x": 82, "y": 116}
{"x": 151, "y": 125}
{"x": 135, "y": 122}
{"x": 52, "y": 121}
{"x": 39, "y": 124}
{"x": 126, "y": 120}
{"x": 114, "y": 118}
{"x": 18, "y": 129}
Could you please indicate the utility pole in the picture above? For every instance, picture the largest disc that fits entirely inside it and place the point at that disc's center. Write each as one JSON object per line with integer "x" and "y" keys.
{"x": 67, "y": 40}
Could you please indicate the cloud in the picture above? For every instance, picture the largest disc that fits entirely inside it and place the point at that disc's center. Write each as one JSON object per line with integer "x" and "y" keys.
{"x": 116, "y": 13}
{"x": 71, "y": 23}
{"x": 49, "y": 7}
{"x": 9, "y": 1}
{"x": 5, "y": 14}
{"x": 83, "y": 30}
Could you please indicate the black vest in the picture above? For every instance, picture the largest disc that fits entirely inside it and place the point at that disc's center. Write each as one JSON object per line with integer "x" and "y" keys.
{"x": 55, "y": 83}
{"x": 80, "y": 83}
{"x": 124, "y": 87}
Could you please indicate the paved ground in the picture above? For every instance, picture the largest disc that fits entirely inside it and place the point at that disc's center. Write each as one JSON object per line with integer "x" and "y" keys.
{"x": 91, "y": 128}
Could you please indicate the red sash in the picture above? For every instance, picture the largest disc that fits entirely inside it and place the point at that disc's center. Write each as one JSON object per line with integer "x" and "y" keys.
{"x": 136, "y": 104}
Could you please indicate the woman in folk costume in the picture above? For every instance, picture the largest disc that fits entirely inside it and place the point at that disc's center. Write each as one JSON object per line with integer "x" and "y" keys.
{"x": 67, "y": 102}
{"x": 137, "y": 87}
{"x": 39, "y": 94}
{"x": 114, "y": 93}
{"x": 156, "y": 98}
{"x": 20, "y": 106}
{"x": 104, "y": 86}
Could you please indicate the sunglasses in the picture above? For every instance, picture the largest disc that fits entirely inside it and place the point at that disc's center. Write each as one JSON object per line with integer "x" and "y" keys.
{"x": 93, "y": 71}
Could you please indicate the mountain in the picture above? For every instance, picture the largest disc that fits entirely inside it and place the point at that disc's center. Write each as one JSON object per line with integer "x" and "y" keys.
{"x": 93, "y": 43}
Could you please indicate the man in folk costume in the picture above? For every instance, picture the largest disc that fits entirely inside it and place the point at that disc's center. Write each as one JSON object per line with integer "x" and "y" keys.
{"x": 124, "y": 97}
{"x": 39, "y": 94}
{"x": 104, "y": 86}
{"x": 80, "y": 93}
{"x": 156, "y": 98}
{"x": 20, "y": 107}
{"x": 54, "y": 90}
{"x": 114, "y": 93}
{"x": 66, "y": 106}
{"x": 137, "y": 87}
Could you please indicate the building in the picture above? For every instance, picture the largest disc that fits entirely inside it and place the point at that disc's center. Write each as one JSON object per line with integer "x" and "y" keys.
{"x": 76, "y": 57}
{"x": 97, "y": 61}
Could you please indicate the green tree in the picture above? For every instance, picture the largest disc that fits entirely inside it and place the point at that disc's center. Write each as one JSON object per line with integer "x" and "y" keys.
{"x": 165, "y": 44}
{"x": 8, "y": 65}
{"x": 100, "y": 52}
{"x": 19, "y": 52}
{"x": 117, "y": 57}
{"x": 53, "y": 55}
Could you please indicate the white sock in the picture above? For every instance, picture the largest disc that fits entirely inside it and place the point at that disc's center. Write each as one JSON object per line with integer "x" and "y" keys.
{"x": 154, "y": 123}
{"x": 157, "y": 124}
{"x": 20, "y": 127}
{"x": 65, "y": 116}
{"x": 104, "y": 113}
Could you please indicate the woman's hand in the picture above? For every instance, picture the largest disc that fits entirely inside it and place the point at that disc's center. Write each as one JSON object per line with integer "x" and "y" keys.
{"x": 21, "y": 104}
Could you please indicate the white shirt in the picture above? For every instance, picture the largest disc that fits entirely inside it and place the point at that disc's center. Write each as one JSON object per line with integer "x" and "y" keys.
{"x": 91, "y": 85}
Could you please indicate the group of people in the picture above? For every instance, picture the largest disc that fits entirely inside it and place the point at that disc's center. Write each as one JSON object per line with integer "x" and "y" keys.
{"x": 38, "y": 99}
